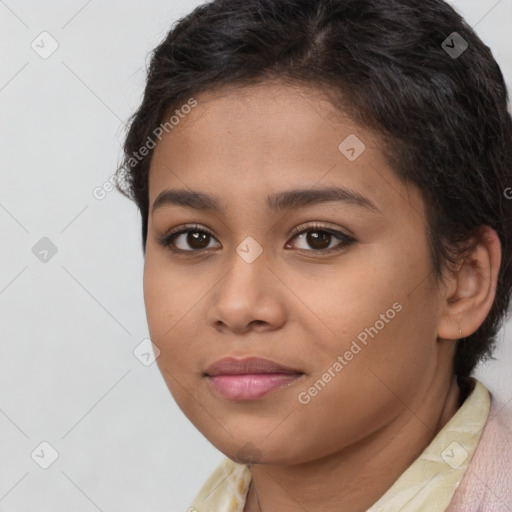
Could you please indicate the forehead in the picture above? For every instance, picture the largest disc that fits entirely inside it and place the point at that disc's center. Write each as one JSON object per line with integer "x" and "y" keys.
{"x": 243, "y": 144}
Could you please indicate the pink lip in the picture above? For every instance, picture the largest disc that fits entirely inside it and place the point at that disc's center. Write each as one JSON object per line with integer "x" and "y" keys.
{"x": 250, "y": 378}
{"x": 250, "y": 386}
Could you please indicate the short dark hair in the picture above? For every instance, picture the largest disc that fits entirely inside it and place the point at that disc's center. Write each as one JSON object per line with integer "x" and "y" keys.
{"x": 393, "y": 66}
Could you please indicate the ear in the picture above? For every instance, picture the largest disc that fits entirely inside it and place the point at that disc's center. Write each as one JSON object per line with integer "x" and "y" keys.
{"x": 471, "y": 289}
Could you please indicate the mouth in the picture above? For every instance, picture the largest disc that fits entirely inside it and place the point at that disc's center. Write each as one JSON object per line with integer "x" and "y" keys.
{"x": 249, "y": 379}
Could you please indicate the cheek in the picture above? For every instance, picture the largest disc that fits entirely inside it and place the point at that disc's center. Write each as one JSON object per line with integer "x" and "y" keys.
{"x": 398, "y": 346}
{"x": 172, "y": 305}
{"x": 387, "y": 307}
{"x": 163, "y": 312}
{"x": 159, "y": 309}
{"x": 167, "y": 294}
{"x": 166, "y": 317}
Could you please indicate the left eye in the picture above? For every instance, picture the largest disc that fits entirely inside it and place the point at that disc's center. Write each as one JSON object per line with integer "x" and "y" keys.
{"x": 317, "y": 237}
{"x": 321, "y": 239}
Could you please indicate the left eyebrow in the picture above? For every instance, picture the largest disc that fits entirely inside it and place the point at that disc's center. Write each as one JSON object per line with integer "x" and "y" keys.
{"x": 295, "y": 199}
{"x": 287, "y": 200}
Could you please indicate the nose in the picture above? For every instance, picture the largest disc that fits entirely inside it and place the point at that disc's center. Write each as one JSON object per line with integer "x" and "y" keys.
{"x": 248, "y": 297}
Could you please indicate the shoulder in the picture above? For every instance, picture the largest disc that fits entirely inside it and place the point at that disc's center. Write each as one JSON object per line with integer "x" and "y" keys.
{"x": 487, "y": 482}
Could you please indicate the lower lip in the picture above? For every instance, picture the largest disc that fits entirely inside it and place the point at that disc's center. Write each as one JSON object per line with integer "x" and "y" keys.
{"x": 251, "y": 386}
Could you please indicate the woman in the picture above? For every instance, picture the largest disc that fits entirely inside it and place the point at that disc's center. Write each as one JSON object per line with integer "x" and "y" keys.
{"x": 327, "y": 238}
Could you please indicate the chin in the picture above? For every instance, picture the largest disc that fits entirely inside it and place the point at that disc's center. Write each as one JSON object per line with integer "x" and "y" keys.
{"x": 253, "y": 451}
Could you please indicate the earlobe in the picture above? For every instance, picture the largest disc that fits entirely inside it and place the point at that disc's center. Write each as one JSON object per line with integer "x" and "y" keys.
{"x": 470, "y": 298}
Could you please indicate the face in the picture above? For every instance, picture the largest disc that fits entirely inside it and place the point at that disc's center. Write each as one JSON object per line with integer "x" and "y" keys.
{"x": 333, "y": 282}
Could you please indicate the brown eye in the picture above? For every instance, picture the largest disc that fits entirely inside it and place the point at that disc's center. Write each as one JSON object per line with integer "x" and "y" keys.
{"x": 189, "y": 240}
{"x": 318, "y": 239}
{"x": 197, "y": 239}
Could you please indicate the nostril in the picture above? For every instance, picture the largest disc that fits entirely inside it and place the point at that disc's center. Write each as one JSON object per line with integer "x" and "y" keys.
{"x": 257, "y": 322}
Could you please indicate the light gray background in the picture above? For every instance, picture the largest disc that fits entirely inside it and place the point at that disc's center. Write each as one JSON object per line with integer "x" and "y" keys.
{"x": 69, "y": 326}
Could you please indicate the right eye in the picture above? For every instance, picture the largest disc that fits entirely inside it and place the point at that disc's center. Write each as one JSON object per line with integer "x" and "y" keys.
{"x": 192, "y": 236}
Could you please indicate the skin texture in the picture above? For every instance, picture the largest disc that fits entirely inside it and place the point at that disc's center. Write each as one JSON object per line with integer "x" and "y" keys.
{"x": 349, "y": 444}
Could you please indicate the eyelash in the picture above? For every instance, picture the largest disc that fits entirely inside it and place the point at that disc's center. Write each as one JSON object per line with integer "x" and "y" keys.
{"x": 167, "y": 239}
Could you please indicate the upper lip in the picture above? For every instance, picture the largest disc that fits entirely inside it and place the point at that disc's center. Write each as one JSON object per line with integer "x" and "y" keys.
{"x": 233, "y": 366}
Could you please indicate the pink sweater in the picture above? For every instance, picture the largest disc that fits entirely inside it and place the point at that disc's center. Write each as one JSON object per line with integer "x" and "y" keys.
{"x": 487, "y": 483}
